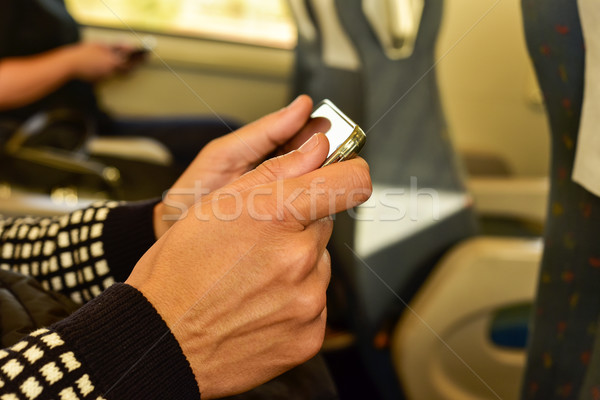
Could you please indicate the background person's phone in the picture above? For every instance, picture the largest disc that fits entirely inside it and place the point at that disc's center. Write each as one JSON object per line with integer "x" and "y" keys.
{"x": 346, "y": 139}
{"x": 148, "y": 45}
{"x": 137, "y": 54}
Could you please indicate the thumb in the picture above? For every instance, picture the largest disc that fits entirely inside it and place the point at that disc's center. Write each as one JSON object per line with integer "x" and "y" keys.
{"x": 307, "y": 158}
{"x": 260, "y": 138}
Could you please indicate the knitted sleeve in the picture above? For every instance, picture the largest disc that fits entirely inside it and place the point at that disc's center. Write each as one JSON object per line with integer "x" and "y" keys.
{"x": 115, "y": 347}
{"x": 82, "y": 253}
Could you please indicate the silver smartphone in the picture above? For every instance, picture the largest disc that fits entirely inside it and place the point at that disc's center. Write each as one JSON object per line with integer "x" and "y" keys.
{"x": 346, "y": 139}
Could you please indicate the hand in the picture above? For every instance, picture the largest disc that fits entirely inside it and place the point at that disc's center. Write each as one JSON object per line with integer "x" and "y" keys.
{"x": 227, "y": 158}
{"x": 241, "y": 280}
{"x": 95, "y": 61}
{"x": 132, "y": 57}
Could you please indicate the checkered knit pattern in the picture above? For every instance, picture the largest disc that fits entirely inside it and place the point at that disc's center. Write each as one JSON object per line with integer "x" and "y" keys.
{"x": 115, "y": 347}
{"x": 79, "y": 254}
{"x": 34, "y": 365}
{"x": 64, "y": 253}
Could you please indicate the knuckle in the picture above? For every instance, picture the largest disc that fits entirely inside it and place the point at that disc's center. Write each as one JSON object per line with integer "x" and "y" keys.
{"x": 313, "y": 346}
{"x": 326, "y": 269}
{"x": 294, "y": 264}
{"x": 280, "y": 219}
{"x": 271, "y": 169}
{"x": 320, "y": 303}
{"x": 312, "y": 342}
{"x": 311, "y": 305}
{"x": 304, "y": 257}
{"x": 326, "y": 258}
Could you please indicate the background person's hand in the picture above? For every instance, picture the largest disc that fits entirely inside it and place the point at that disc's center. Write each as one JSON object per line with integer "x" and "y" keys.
{"x": 241, "y": 280}
{"x": 227, "y": 158}
{"x": 95, "y": 61}
{"x": 133, "y": 56}
{"x": 26, "y": 79}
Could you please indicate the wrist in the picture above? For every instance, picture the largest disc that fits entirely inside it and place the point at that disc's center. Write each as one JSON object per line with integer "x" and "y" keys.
{"x": 69, "y": 54}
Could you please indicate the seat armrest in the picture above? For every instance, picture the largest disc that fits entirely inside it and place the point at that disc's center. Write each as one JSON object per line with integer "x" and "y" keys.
{"x": 130, "y": 148}
{"x": 523, "y": 198}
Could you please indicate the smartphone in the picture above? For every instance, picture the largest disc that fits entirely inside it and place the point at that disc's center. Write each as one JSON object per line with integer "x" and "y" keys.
{"x": 137, "y": 54}
{"x": 148, "y": 45}
{"x": 346, "y": 139}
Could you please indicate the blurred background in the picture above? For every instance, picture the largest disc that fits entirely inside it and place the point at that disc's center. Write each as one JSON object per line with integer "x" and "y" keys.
{"x": 237, "y": 55}
{"x": 446, "y": 93}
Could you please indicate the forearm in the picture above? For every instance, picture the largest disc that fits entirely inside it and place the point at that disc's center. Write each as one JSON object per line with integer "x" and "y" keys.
{"x": 24, "y": 80}
{"x": 115, "y": 347}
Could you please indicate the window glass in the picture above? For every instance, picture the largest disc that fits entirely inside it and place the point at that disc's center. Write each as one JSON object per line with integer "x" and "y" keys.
{"x": 262, "y": 22}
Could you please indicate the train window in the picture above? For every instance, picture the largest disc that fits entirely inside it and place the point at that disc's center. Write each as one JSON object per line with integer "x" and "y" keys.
{"x": 261, "y": 22}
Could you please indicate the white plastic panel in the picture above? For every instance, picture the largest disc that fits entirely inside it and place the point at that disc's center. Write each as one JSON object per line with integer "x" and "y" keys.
{"x": 441, "y": 347}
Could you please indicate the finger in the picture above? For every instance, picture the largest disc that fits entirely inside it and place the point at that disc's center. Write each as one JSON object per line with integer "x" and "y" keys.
{"x": 258, "y": 139}
{"x": 313, "y": 126}
{"x": 307, "y": 158}
{"x": 320, "y": 193}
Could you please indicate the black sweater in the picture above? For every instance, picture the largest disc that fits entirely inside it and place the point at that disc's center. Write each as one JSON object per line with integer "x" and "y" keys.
{"x": 116, "y": 346}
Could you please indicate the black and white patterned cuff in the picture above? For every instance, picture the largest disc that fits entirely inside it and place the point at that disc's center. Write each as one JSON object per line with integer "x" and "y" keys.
{"x": 82, "y": 253}
{"x": 42, "y": 367}
{"x": 115, "y": 347}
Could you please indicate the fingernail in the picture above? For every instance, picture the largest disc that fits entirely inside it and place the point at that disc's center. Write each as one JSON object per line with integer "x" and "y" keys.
{"x": 310, "y": 144}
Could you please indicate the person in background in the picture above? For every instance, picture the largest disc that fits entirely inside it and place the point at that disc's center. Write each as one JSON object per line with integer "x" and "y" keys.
{"x": 44, "y": 65}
